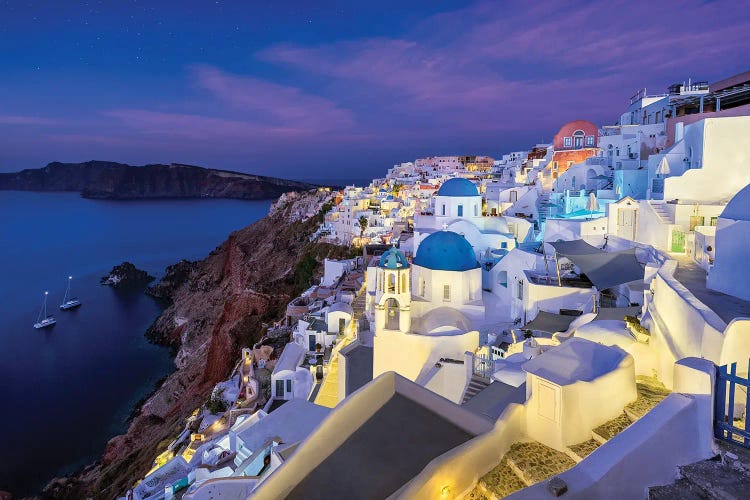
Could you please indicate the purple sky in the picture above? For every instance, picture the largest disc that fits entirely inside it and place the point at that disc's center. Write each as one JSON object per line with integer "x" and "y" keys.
{"x": 337, "y": 90}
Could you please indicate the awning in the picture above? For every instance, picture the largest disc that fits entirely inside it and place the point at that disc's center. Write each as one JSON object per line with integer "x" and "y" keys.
{"x": 549, "y": 322}
{"x": 603, "y": 269}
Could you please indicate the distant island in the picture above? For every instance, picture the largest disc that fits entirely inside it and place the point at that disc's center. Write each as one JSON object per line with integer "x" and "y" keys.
{"x": 118, "y": 181}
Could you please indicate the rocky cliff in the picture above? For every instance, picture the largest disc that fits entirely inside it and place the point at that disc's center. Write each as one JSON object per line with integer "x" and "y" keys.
{"x": 216, "y": 306}
{"x": 117, "y": 181}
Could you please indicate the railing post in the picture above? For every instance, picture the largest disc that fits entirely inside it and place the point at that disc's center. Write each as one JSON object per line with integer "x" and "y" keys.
{"x": 720, "y": 409}
{"x": 730, "y": 409}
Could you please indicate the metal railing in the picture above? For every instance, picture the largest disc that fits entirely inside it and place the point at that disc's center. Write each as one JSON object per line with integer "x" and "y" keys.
{"x": 730, "y": 412}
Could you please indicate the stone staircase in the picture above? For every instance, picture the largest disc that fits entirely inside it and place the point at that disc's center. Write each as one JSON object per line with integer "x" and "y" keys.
{"x": 725, "y": 476}
{"x": 476, "y": 384}
{"x": 527, "y": 463}
{"x": 661, "y": 210}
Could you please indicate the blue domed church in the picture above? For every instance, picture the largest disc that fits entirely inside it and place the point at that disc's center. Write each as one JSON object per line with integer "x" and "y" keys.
{"x": 425, "y": 311}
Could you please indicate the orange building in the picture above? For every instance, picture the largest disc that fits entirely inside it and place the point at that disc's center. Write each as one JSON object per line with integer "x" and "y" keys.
{"x": 576, "y": 141}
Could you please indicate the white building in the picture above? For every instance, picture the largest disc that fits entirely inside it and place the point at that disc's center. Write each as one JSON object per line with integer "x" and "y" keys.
{"x": 730, "y": 273}
{"x": 289, "y": 380}
{"x": 423, "y": 313}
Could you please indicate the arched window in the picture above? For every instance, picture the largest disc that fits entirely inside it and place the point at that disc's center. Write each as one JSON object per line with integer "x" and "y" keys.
{"x": 476, "y": 210}
{"x": 392, "y": 314}
{"x": 391, "y": 283}
{"x": 403, "y": 283}
{"x": 578, "y": 139}
{"x": 443, "y": 209}
{"x": 460, "y": 211}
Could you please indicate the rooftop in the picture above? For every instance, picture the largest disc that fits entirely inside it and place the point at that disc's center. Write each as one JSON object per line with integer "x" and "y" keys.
{"x": 693, "y": 277}
{"x": 458, "y": 187}
{"x": 387, "y": 451}
{"x": 575, "y": 360}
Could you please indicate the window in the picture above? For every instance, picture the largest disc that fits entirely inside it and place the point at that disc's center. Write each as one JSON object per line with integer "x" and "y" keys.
{"x": 460, "y": 210}
{"x": 279, "y": 388}
{"x": 502, "y": 279}
{"x": 589, "y": 140}
{"x": 567, "y": 141}
{"x": 476, "y": 211}
{"x": 520, "y": 290}
{"x": 422, "y": 287}
{"x": 288, "y": 385}
{"x": 578, "y": 139}
{"x": 446, "y": 293}
{"x": 504, "y": 244}
{"x": 443, "y": 209}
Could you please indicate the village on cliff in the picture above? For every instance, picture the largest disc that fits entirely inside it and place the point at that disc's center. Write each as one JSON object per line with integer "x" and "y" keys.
{"x": 569, "y": 321}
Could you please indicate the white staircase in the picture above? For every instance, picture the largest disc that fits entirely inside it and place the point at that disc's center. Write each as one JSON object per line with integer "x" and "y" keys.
{"x": 542, "y": 205}
{"x": 661, "y": 210}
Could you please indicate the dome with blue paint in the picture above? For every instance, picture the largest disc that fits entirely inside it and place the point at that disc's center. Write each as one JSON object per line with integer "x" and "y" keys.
{"x": 458, "y": 187}
{"x": 446, "y": 251}
{"x": 393, "y": 259}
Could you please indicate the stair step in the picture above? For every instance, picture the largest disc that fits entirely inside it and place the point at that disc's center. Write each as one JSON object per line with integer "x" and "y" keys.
{"x": 533, "y": 462}
{"x": 682, "y": 489}
{"x": 610, "y": 429}
{"x": 499, "y": 482}
{"x": 581, "y": 450}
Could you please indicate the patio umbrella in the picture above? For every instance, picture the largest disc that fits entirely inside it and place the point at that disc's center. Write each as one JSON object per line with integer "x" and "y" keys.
{"x": 663, "y": 168}
{"x": 593, "y": 204}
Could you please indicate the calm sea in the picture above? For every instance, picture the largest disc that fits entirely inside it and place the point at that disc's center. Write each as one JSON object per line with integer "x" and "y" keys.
{"x": 65, "y": 391}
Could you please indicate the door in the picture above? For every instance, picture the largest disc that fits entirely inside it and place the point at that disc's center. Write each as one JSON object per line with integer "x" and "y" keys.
{"x": 513, "y": 196}
{"x": 678, "y": 241}
{"x": 578, "y": 141}
{"x": 626, "y": 223}
{"x": 311, "y": 342}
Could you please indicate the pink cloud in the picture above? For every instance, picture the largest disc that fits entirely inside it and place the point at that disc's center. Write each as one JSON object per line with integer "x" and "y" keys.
{"x": 288, "y": 108}
{"x": 520, "y": 64}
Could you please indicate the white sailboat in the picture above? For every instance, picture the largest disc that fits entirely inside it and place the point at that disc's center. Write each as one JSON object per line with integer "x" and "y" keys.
{"x": 69, "y": 302}
{"x": 44, "y": 321}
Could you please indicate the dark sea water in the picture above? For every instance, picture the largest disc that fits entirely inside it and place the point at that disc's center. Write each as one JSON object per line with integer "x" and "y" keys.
{"x": 65, "y": 391}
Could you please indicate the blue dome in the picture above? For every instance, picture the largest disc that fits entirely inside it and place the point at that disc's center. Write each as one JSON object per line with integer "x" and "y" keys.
{"x": 446, "y": 251}
{"x": 393, "y": 259}
{"x": 458, "y": 187}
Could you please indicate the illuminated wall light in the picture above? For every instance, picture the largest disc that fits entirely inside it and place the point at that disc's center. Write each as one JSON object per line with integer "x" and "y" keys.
{"x": 445, "y": 492}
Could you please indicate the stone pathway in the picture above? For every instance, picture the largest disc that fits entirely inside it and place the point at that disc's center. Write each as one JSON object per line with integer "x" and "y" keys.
{"x": 582, "y": 450}
{"x": 499, "y": 482}
{"x": 527, "y": 463}
{"x": 724, "y": 477}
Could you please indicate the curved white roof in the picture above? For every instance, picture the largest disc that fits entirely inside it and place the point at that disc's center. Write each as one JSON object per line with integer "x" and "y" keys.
{"x": 575, "y": 360}
{"x": 738, "y": 207}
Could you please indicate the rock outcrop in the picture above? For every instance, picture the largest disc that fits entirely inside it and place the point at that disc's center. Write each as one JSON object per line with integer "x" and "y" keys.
{"x": 218, "y": 305}
{"x": 127, "y": 277}
{"x": 118, "y": 181}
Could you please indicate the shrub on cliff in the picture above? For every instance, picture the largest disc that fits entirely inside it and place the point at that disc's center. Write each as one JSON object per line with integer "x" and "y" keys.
{"x": 216, "y": 403}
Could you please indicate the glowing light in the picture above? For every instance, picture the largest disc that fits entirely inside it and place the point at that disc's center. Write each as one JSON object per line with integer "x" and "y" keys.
{"x": 445, "y": 492}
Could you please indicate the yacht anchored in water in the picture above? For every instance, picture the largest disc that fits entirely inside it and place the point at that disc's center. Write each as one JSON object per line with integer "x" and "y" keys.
{"x": 44, "y": 321}
{"x": 69, "y": 302}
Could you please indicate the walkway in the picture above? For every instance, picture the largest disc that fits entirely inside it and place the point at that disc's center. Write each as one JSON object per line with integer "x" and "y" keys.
{"x": 693, "y": 277}
{"x": 529, "y": 462}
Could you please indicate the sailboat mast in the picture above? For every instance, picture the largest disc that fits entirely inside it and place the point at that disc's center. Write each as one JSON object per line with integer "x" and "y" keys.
{"x": 67, "y": 290}
{"x": 45, "y": 304}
